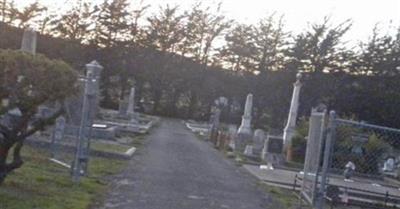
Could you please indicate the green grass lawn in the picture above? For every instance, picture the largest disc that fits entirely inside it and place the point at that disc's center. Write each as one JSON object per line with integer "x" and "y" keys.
{"x": 41, "y": 184}
{"x": 138, "y": 140}
{"x": 285, "y": 198}
{"x": 105, "y": 147}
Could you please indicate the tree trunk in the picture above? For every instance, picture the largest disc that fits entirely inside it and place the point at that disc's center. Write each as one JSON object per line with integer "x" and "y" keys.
{"x": 157, "y": 101}
{"x": 17, "y": 162}
{"x": 193, "y": 104}
{"x": 172, "y": 104}
{"x": 3, "y": 163}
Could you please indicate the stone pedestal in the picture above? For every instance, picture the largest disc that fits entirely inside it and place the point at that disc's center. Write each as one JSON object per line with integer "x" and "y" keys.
{"x": 248, "y": 151}
{"x": 241, "y": 140}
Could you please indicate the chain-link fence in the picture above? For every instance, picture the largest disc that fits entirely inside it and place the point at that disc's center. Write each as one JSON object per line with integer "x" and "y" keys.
{"x": 360, "y": 166}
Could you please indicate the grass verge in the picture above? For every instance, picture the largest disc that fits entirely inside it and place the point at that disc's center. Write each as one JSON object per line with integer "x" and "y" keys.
{"x": 41, "y": 184}
{"x": 285, "y": 198}
{"x": 107, "y": 147}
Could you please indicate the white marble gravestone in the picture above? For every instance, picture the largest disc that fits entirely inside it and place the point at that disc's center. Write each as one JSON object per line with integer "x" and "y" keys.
{"x": 127, "y": 107}
{"x": 245, "y": 127}
{"x": 258, "y": 142}
{"x": 290, "y": 127}
{"x": 58, "y": 134}
{"x": 131, "y": 103}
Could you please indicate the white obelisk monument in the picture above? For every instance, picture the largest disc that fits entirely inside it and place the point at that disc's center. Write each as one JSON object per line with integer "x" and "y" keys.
{"x": 245, "y": 133}
{"x": 289, "y": 130}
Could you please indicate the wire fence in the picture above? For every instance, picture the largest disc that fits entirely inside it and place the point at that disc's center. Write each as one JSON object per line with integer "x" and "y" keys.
{"x": 360, "y": 165}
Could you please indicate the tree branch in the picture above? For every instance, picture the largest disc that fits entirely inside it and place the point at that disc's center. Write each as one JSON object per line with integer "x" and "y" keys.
{"x": 41, "y": 123}
{"x": 4, "y": 129}
{"x": 17, "y": 160}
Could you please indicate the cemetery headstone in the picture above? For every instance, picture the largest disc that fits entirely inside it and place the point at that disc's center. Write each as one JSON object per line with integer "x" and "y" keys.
{"x": 389, "y": 165}
{"x": 127, "y": 107}
{"x": 122, "y": 108}
{"x": 232, "y": 129}
{"x": 248, "y": 151}
{"x": 258, "y": 142}
{"x": 58, "y": 135}
{"x": 272, "y": 150}
{"x": 244, "y": 134}
{"x": 131, "y": 105}
{"x": 290, "y": 127}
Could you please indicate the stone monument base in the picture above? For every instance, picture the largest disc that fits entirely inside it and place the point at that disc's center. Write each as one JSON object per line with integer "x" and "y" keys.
{"x": 272, "y": 152}
{"x": 273, "y": 159}
{"x": 108, "y": 133}
{"x": 241, "y": 140}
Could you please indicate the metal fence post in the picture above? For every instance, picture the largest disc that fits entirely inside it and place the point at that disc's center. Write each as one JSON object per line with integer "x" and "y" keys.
{"x": 326, "y": 161}
{"x": 77, "y": 163}
{"x": 83, "y": 141}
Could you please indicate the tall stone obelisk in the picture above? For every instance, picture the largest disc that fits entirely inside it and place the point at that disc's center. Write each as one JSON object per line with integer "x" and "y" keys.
{"x": 244, "y": 134}
{"x": 29, "y": 41}
{"x": 290, "y": 127}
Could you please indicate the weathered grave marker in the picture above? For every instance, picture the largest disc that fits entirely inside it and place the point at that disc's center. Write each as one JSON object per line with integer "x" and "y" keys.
{"x": 58, "y": 135}
{"x": 258, "y": 142}
{"x": 131, "y": 105}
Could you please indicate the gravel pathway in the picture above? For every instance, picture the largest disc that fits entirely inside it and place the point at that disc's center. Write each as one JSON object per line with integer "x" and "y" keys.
{"x": 175, "y": 170}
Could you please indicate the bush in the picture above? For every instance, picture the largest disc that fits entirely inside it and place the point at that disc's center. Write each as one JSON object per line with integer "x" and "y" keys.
{"x": 27, "y": 82}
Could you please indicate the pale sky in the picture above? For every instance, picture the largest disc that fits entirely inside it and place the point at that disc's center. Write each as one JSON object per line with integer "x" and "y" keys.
{"x": 298, "y": 13}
